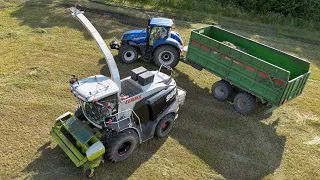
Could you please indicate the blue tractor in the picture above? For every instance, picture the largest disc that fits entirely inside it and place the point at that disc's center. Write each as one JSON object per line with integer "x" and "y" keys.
{"x": 157, "y": 44}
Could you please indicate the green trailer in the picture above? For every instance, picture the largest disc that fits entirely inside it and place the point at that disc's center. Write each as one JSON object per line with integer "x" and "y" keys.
{"x": 256, "y": 71}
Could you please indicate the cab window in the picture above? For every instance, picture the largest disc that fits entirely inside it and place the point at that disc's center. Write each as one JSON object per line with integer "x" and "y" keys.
{"x": 157, "y": 33}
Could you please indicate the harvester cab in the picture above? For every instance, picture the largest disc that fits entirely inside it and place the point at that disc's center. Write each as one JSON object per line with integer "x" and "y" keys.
{"x": 115, "y": 115}
{"x": 157, "y": 43}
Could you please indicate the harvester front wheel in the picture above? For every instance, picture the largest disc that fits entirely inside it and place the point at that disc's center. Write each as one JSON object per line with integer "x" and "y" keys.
{"x": 120, "y": 146}
{"x": 79, "y": 114}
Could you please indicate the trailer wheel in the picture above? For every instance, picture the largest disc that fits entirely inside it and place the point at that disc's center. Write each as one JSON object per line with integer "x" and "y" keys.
{"x": 128, "y": 54}
{"x": 167, "y": 55}
{"x": 244, "y": 103}
{"x": 222, "y": 90}
{"x": 164, "y": 126}
{"x": 120, "y": 146}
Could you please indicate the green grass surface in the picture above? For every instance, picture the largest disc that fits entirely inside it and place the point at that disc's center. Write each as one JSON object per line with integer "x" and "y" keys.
{"x": 280, "y": 12}
{"x": 42, "y": 45}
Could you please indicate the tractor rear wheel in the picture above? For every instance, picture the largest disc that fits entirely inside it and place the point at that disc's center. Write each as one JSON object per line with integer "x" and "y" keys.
{"x": 120, "y": 146}
{"x": 244, "y": 103}
{"x": 167, "y": 55}
{"x": 222, "y": 90}
{"x": 164, "y": 126}
{"x": 128, "y": 54}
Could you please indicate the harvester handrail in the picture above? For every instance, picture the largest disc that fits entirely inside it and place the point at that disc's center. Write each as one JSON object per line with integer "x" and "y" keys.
{"x": 118, "y": 121}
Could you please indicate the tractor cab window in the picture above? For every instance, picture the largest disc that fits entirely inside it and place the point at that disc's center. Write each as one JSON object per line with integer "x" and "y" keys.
{"x": 157, "y": 33}
{"x": 98, "y": 111}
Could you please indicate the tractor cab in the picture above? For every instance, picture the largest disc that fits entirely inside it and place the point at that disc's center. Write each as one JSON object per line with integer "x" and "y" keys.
{"x": 157, "y": 43}
{"x": 159, "y": 28}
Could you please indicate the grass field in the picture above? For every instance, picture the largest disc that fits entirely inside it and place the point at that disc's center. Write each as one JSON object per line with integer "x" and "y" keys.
{"x": 42, "y": 45}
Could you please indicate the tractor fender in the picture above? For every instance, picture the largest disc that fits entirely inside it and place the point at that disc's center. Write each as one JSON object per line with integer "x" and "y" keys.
{"x": 176, "y": 36}
{"x": 167, "y": 41}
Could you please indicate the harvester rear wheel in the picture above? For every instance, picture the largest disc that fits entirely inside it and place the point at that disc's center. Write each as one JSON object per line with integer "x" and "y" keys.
{"x": 164, "y": 126}
{"x": 120, "y": 146}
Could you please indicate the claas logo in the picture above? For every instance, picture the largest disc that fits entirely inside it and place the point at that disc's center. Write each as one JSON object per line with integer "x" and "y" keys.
{"x": 133, "y": 99}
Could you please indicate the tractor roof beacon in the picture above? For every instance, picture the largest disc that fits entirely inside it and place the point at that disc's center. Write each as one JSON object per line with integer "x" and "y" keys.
{"x": 157, "y": 43}
{"x": 115, "y": 115}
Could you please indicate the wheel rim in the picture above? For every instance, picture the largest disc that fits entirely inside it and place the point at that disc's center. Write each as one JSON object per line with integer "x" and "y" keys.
{"x": 129, "y": 55}
{"x": 124, "y": 148}
{"x": 241, "y": 103}
{"x": 166, "y": 57}
{"x": 219, "y": 91}
{"x": 165, "y": 126}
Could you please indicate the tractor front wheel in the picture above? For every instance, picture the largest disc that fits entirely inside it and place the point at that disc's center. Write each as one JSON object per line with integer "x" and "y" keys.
{"x": 164, "y": 126}
{"x": 128, "y": 54}
{"x": 167, "y": 55}
{"x": 120, "y": 146}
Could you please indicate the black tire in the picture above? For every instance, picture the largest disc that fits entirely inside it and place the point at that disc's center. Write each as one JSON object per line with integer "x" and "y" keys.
{"x": 167, "y": 55}
{"x": 120, "y": 146}
{"x": 79, "y": 114}
{"x": 244, "y": 103}
{"x": 222, "y": 90}
{"x": 89, "y": 173}
{"x": 164, "y": 126}
{"x": 128, "y": 54}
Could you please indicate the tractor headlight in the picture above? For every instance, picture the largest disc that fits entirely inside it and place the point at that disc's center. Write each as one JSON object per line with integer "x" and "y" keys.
{"x": 95, "y": 151}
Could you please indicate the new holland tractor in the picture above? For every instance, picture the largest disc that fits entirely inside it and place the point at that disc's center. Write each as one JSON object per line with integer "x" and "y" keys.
{"x": 158, "y": 44}
{"x": 115, "y": 115}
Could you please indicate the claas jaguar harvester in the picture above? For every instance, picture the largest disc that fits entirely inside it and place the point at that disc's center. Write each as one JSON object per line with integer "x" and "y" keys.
{"x": 115, "y": 115}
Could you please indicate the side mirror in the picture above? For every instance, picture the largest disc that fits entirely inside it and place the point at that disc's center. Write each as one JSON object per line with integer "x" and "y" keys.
{"x": 73, "y": 79}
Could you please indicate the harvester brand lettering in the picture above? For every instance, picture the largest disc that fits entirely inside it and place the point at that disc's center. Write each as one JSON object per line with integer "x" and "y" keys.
{"x": 133, "y": 99}
{"x": 171, "y": 95}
